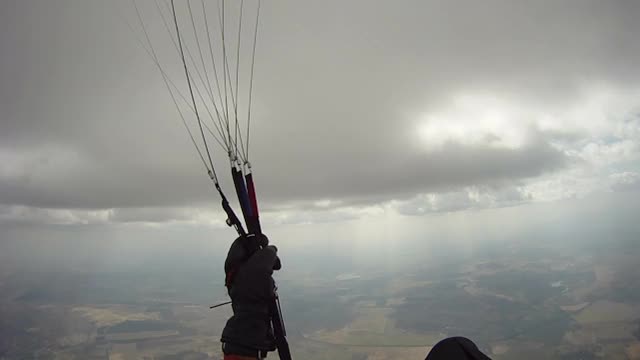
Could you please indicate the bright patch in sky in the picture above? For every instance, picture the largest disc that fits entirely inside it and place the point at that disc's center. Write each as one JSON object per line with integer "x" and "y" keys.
{"x": 476, "y": 120}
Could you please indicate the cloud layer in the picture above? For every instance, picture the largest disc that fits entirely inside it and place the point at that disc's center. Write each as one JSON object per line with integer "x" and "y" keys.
{"x": 435, "y": 105}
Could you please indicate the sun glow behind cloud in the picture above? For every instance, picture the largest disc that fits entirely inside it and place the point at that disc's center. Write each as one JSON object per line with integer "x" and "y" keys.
{"x": 501, "y": 121}
{"x": 471, "y": 119}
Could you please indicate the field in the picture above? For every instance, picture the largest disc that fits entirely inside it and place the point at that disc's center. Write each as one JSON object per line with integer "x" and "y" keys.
{"x": 535, "y": 301}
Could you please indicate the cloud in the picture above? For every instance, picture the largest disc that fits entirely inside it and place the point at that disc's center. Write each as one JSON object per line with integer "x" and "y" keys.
{"x": 466, "y": 199}
{"x": 27, "y": 215}
{"x": 161, "y": 214}
{"x": 356, "y": 105}
{"x": 626, "y": 181}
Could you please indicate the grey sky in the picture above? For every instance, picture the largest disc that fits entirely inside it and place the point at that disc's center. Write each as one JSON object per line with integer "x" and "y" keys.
{"x": 425, "y": 105}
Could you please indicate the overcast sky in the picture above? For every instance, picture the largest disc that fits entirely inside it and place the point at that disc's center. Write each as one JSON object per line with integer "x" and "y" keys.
{"x": 360, "y": 108}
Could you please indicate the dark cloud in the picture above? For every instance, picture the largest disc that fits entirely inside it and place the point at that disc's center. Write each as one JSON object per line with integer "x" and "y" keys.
{"x": 397, "y": 174}
{"x": 62, "y": 180}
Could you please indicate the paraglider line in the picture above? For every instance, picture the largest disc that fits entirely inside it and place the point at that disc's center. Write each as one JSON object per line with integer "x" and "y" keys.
{"x": 195, "y": 107}
{"x": 213, "y": 61}
{"x": 204, "y": 66}
{"x": 167, "y": 80}
{"x": 253, "y": 60}
{"x": 235, "y": 105}
{"x": 219, "y": 126}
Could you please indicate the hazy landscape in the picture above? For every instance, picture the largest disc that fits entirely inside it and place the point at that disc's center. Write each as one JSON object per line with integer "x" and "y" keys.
{"x": 543, "y": 294}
